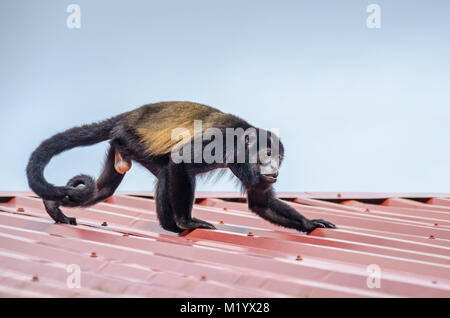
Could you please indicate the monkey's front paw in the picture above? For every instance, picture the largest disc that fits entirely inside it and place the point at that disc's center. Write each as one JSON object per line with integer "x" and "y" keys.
{"x": 72, "y": 221}
{"x": 195, "y": 224}
{"x": 313, "y": 224}
{"x": 67, "y": 220}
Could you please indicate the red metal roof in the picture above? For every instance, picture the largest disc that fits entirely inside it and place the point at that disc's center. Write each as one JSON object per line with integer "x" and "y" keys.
{"x": 406, "y": 235}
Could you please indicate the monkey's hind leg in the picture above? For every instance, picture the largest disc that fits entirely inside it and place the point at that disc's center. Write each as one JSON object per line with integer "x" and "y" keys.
{"x": 109, "y": 179}
{"x": 55, "y": 212}
{"x": 52, "y": 208}
{"x": 106, "y": 184}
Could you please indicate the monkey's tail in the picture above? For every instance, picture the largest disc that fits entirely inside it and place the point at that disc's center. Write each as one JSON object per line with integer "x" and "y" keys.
{"x": 80, "y": 188}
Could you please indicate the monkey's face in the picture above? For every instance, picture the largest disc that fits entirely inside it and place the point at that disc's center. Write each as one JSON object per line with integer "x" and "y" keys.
{"x": 268, "y": 166}
{"x": 264, "y": 154}
{"x": 270, "y": 156}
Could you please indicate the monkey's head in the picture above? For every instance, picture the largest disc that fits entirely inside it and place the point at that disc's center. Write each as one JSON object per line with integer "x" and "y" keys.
{"x": 265, "y": 153}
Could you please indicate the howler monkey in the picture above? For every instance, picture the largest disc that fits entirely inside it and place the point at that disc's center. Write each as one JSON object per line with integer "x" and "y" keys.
{"x": 146, "y": 135}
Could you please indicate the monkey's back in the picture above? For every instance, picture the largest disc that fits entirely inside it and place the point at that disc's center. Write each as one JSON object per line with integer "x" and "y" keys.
{"x": 154, "y": 123}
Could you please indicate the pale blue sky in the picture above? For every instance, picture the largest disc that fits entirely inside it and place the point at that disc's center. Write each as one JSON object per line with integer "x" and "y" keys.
{"x": 358, "y": 109}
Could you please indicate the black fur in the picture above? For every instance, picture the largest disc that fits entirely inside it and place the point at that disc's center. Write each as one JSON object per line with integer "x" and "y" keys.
{"x": 175, "y": 189}
{"x": 72, "y": 193}
{"x": 263, "y": 202}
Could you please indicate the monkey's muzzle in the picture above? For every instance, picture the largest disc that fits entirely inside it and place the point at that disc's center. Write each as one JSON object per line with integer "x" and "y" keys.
{"x": 269, "y": 178}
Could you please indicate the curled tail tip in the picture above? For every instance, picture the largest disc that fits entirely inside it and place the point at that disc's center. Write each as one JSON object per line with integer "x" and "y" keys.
{"x": 79, "y": 190}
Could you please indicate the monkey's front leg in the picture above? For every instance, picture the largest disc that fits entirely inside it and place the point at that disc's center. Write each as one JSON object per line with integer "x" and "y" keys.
{"x": 268, "y": 206}
{"x": 121, "y": 165}
{"x": 181, "y": 193}
{"x": 164, "y": 209}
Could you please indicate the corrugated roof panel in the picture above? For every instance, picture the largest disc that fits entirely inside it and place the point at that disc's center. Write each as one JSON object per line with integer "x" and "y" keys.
{"x": 122, "y": 251}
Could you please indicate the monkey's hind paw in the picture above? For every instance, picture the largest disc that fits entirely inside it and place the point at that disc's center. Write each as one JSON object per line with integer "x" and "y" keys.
{"x": 195, "y": 224}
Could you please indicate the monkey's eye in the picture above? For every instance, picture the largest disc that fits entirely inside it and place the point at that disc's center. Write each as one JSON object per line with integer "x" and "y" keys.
{"x": 265, "y": 160}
